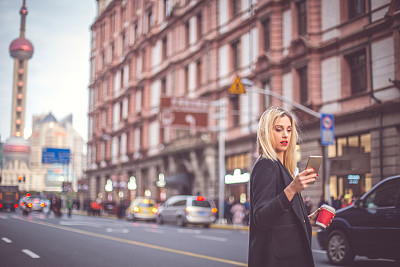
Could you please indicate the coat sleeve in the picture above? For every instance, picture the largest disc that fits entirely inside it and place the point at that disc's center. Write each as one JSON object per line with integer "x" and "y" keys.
{"x": 267, "y": 203}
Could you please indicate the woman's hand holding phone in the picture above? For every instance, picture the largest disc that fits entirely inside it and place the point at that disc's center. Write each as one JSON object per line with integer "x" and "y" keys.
{"x": 300, "y": 182}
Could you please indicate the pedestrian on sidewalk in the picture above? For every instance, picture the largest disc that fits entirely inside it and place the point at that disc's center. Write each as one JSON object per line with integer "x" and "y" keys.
{"x": 280, "y": 228}
{"x": 237, "y": 211}
{"x": 69, "y": 206}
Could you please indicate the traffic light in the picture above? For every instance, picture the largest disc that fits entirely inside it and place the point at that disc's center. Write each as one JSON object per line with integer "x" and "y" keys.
{"x": 19, "y": 178}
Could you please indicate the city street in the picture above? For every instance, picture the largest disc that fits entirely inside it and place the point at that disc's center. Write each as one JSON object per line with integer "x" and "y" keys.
{"x": 36, "y": 240}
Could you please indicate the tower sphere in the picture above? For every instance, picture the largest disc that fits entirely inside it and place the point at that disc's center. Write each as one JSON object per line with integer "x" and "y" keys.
{"x": 21, "y": 48}
{"x": 17, "y": 148}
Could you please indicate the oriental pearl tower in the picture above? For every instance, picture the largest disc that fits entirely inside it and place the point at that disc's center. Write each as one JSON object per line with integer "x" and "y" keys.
{"x": 21, "y": 50}
{"x": 17, "y": 148}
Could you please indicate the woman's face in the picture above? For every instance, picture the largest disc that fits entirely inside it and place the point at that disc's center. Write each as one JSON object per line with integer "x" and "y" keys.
{"x": 282, "y": 134}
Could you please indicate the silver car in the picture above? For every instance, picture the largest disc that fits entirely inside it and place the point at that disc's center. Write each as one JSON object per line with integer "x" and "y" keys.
{"x": 184, "y": 210}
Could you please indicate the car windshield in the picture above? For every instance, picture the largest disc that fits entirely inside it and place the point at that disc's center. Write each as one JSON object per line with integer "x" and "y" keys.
{"x": 141, "y": 204}
{"x": 204, "y": 204}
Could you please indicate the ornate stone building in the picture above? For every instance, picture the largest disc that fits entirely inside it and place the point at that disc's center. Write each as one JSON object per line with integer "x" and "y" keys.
{"x": 336, "y": 57}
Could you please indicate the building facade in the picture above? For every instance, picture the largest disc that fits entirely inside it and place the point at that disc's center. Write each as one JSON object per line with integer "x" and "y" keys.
{"x": 336, "y": 57}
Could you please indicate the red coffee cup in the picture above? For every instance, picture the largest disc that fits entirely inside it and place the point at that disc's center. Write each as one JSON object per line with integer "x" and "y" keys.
{"x": 325, "y": 216}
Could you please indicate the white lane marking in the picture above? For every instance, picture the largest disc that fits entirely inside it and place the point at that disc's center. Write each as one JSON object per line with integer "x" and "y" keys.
{"x": 189, "y": 231}
{"x": 109, "y": 230}
{"x": 30, "y": 253}
{"x": 5, "y": 239}
{"x": 154, "y": 231}
{"x": 82, "y": 223}
{"x": 213, "y": 238}
{"x": 319, "y": 251}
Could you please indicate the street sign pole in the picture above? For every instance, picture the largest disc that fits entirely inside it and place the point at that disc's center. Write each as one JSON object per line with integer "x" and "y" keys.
{"x": 327, "y": 138}
{"x": 221, "y": 159}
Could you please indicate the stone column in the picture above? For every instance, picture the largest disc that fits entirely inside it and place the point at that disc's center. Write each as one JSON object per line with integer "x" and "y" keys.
{"x": 199, "y": 185}
{"x": 152, "y": 178}
{"x": 92, "y": 187}
{"x": 210, "y": 160}
{"x": 171, "y": 165}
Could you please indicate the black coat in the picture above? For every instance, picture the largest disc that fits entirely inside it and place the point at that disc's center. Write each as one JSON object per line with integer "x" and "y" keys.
{"x": 280, "y": 231}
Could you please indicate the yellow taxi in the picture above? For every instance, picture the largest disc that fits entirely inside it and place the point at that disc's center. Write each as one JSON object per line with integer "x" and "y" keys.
{"x": 142, "y": 209}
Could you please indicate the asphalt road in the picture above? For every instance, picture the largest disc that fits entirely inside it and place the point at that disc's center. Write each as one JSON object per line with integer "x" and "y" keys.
{"x": 36, "y": 240}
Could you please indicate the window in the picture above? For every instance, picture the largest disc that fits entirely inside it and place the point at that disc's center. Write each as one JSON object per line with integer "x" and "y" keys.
{"x": 235, "y": 7}
{"x": 112, "y": 51}
{"x": 103, "y": 59}
{"x": 164, "y": 48}
{"x": 302, "y": 17}
{"x": 356, "y": 8}
{"x": 384, "y": 195}
{"x": 164, "y": 86}
{"x": 149, "y": 20}
{"x": 358, "y": 73}
{"x": 143, "y": 60}
{"x": 199, "y": 26}
{"x": 203, "y": 204}
{"x": 179, "y": 203}
{"x": 198, "y": 73}
{"x": 136, "y": 32}
{"x": 186, "y": 73}
{"x": 235, "y": 45}
{"x": 235, "y": 110}
{"x": 124, "y": 43}
{"x": 266, "y": 32}
{"x": 303, "y": 85}
{"x": 187, "y": 33}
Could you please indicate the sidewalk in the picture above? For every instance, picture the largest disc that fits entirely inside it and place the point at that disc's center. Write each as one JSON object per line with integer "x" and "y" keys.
{"x": 214, "y": 226}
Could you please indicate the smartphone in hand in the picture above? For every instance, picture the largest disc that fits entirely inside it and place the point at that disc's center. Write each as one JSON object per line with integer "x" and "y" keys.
{"x": 314, "y": 162}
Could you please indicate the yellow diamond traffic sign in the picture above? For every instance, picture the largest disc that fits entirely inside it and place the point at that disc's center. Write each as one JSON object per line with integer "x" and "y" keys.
{"x": 237, "y": 87}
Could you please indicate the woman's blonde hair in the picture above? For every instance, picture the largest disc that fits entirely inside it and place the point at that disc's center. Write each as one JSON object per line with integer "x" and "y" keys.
{"x": 265, "y": 137}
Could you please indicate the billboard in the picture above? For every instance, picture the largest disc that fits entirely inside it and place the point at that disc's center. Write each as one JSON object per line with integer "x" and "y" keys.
{"x": 56, "y": 155}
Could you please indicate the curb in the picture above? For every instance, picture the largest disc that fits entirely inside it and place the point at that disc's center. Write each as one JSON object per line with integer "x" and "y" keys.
{"x": 214, "y": 226}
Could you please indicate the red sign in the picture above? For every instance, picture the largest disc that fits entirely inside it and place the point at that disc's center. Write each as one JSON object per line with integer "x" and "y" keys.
{"x": 184, "y": 112}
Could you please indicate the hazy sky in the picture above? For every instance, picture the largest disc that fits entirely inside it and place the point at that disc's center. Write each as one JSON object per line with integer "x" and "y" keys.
{"x": 58, "y": 72}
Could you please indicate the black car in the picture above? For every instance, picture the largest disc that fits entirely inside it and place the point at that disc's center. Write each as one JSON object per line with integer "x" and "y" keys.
{"x": 370, "y": 227}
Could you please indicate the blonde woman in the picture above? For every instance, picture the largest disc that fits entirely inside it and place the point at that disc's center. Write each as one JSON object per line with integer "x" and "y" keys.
{"x": 280, "y": 229}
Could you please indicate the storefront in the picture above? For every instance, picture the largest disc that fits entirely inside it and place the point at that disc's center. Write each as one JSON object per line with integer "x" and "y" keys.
{"x": 350, "y": 174}
{"x": 237, "y": 177}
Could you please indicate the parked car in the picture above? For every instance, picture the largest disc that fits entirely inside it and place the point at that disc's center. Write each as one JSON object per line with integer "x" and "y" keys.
{"x": 369, "y": 227}
{"x": 142, "y": 209}
{"x": 188, "y": 210}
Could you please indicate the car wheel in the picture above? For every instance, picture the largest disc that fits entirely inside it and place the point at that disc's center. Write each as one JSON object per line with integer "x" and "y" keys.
{"x": 338, "y": 249}
{"x": 180, "y": 222}
{"x": 207, "y": 225}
